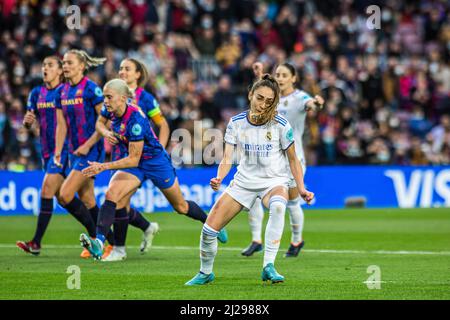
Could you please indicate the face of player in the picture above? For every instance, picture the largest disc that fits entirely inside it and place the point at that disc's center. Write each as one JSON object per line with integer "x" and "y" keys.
{"x": 114, "y": 101}
{"x": 285, "y": 78}
{"x": 261, "y": 99}
{"x": 128, "y": 73}
{"x": 72, "y": 66}
{"x": 51, "y": 71}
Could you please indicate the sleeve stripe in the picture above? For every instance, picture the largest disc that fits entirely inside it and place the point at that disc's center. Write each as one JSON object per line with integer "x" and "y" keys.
{"x": 281, "y": 120}
{"x": 290, "y": 144}
{"x": 239, "y": 116}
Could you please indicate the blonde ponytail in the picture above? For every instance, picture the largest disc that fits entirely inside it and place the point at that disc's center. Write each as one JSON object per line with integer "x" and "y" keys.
{"x": 85, "y": 58}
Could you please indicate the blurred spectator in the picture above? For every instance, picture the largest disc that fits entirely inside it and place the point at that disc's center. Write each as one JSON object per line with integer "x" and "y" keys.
{"x": 387, "y": 91}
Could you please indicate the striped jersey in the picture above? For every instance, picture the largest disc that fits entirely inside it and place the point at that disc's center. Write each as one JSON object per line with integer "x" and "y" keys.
{"x": 41, "y": 101}
{"x": 78, "y": 105}
{"x": 133, "y": 125}
{"x": 144, "y": 100}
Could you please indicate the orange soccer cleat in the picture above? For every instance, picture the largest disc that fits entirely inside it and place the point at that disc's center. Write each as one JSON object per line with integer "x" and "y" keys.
{"x": 107, "y": 251}
{"x": 85, "y": 254}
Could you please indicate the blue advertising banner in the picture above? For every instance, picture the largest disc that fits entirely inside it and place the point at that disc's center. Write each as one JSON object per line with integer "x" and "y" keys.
{"x": 334, "y": 186}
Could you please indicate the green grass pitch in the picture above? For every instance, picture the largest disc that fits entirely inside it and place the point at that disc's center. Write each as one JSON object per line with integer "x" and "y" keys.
{"x": 410, "y": 247}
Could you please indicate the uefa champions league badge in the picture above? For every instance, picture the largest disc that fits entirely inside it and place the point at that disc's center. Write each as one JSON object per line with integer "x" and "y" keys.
{"x": 98, "y": 92}
{"x": 137, "y": 129}
{"x": 290, "y": 135}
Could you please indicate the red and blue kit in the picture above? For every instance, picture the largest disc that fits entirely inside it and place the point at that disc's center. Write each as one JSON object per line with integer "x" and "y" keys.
{"x": 78, "y": 105}
{"x": 134, "y": 126}
{"x": 42, "y": 102}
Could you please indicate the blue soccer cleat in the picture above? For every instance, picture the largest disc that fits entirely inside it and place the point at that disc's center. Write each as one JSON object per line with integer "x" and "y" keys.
{"x": 223, "y": 236}
{"x": 200, "y": 279}
{"x": 270, "y": 274}
{"x": 94, "y": 246}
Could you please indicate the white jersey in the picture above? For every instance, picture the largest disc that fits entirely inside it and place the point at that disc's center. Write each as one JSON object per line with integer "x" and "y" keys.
{"x": 261, "y": 149}
{"x": 293, "y": 108}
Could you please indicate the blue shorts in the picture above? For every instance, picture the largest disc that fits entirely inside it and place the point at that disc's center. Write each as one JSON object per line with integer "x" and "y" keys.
{"x": 51, "y": 168}
{"x": 81, "y": 162}
{"x": 159, "y": 170}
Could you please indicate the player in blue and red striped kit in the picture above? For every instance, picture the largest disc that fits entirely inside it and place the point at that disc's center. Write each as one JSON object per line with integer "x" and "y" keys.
{"x": 77, "y": 110}
{"x": 135, "y": 74}
{"x": 41, "y": 107}
{"x": 142, "y": 157}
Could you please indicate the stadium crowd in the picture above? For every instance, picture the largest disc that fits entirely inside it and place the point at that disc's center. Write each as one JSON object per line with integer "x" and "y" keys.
{"x": 387, "y": 90}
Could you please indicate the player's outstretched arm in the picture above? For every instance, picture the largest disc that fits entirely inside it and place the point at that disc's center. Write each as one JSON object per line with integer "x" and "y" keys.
{"x": 61, "y": 133}
{"x": 316, "y": 103}
{"x": 131, "y": 161}
{"x": 297, "y": 172}
{"x": 224, "y": 167}
{"x": 258, "y": 70}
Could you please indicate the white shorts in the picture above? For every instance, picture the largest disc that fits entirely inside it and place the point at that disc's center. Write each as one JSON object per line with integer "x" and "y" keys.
{"x": 292, "y": 183}
{"x": 247, "y": 197}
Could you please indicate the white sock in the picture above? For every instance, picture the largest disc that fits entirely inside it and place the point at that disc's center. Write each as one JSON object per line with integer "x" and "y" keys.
{"x": 255, "y": 219}
{"x": 274, "y": 228}
{"x": 208, "y": 248}
{"x": 297, "y": 217}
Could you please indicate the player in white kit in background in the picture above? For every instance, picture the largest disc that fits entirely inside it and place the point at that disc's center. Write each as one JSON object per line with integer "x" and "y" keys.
{"x": 263, "y": 139}
{"x": 293, "y": 105}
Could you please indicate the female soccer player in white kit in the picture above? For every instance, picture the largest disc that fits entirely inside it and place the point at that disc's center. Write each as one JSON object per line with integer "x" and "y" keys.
{"x": 293, "y": 105}
{"x": 263, "y": 140}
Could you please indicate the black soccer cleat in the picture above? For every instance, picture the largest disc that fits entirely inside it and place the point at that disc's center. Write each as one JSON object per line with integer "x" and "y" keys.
{"x": 252, "y": 248}
{"x": 293, "y": 250}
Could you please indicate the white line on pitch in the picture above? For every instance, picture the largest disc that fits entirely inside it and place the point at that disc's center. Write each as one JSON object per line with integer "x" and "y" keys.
{"x": 225, "y": 248}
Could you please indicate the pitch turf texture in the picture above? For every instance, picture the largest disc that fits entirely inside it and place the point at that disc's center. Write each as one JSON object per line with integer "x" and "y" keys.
{"x": 411, "y": 248}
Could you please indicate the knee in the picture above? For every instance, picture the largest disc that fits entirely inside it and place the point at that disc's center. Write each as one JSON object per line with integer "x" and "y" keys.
{"x": 278, "y": 205}
{"x": 64, "y": 197}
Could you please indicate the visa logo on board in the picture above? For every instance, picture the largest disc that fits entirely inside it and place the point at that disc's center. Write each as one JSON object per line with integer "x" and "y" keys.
{"x": 425, "y": 182}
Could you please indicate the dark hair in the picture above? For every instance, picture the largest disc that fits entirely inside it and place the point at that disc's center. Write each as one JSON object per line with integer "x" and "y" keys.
{"x": 291, "y": 69}
{"x": 140, "y": 67}
{"x": 268, "y": 81}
